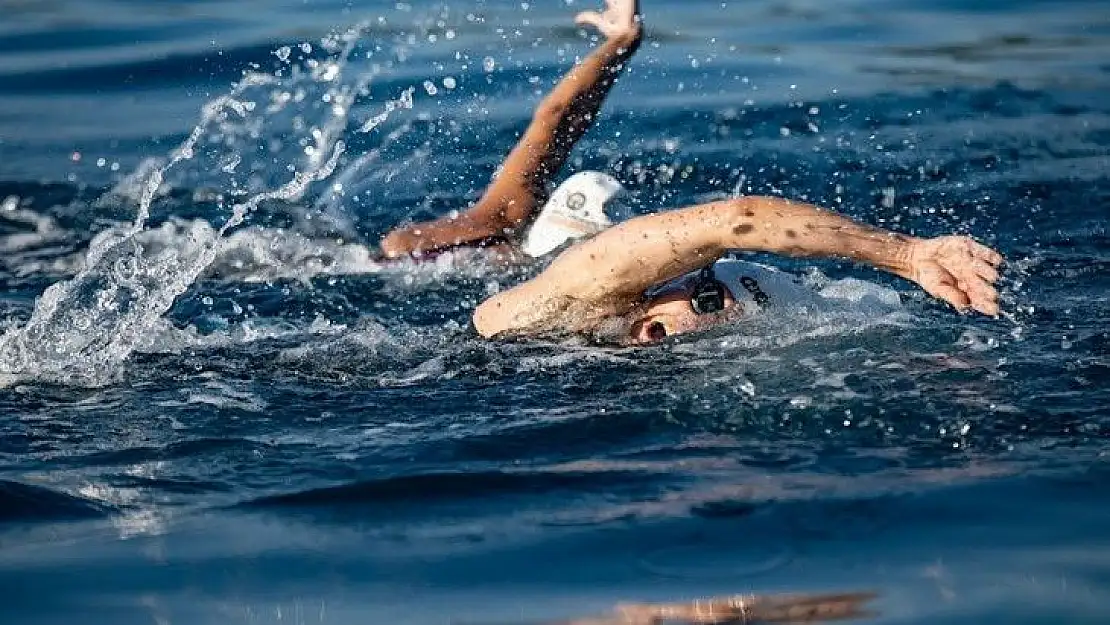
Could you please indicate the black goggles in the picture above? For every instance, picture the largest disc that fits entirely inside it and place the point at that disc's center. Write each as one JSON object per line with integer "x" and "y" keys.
{"x": 708, "y": 294}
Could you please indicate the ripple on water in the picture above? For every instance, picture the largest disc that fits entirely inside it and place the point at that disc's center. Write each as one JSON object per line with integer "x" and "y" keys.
{"x": 306, "y": 408}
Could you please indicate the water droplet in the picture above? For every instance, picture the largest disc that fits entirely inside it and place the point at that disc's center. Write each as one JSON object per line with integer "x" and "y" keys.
{"x": 800, "y": 401}
{"x": 888, "y": 197}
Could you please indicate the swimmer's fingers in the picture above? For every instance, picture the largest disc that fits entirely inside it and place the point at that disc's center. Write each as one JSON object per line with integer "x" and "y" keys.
{"x": 983, "y": 296}
{"x": 959, "y": 271}
{"x": 984, "y": 253}
{"x": 602, "y": 22}
{"x": 968, "y": 275}
{"x": 951, "y": 294}
{"x": 590, "y": 18}
{"x": 984, "y": 270}
{"x": 941, "y": 283}
{"x": 620, "y": 16}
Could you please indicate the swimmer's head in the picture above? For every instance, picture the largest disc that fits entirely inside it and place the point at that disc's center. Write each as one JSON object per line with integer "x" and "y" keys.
{"x": 697, "y": 301}
{"x": 581, "y": 206}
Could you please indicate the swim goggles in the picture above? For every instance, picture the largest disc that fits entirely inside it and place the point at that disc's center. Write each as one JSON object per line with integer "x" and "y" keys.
{"x": 708, "y": 294}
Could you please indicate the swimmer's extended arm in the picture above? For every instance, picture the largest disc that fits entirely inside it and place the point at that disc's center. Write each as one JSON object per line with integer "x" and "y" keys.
{"x": 559, "y": 121}
{"x": 611, "y": 271}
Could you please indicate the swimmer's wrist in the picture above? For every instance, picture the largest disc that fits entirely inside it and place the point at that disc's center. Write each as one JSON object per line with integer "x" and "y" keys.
{"x": 904, "y": 257}
{"x": 893, "y": 252}
{"x": 628, "y": 37}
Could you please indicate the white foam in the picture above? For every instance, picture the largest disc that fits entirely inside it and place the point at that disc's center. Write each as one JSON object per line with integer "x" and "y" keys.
{"x": 84, "y": 328}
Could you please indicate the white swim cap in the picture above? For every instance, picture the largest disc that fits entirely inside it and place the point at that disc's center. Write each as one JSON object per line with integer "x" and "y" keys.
{"x": 738, "y": 279}
{"x": 747, "y": 282}
{"x": 576, "y": 209}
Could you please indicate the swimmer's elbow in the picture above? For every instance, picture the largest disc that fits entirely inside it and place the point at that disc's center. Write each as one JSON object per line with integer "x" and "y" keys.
{"x": 486, "y": 319}
{"x": 508, "y": 311}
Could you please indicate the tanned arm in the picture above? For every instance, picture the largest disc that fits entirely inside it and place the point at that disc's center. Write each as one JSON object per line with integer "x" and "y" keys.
{"x": 607, "y": 275}
{"x": 560, "y": 120}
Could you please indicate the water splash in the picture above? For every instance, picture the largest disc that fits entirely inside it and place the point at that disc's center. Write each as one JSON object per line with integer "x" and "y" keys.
{"x": 82, "y": 329}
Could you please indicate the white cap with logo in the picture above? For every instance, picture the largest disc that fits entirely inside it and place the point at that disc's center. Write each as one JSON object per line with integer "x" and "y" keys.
{"x": 575, "y": 210}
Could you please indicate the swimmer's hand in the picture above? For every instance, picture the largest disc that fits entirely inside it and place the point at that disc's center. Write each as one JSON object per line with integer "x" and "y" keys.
{"x": 620, "y": 19}
{"x": 416, "y": 240}
{"x": 957, "y": 270}
{"x": 398, "y": 243}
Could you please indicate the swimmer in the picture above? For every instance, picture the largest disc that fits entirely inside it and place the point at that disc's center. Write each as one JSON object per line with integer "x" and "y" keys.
{"x": 520, "y": 189}
{"x": 661, "y": 275}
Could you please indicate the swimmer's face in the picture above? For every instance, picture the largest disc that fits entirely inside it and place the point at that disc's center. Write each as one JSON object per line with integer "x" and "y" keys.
{"x": 671, "y": 312}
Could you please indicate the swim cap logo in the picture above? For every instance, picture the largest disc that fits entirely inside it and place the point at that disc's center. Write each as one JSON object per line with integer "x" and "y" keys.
{"x": 576, "y": 201}
{"x": 753, "y": 287}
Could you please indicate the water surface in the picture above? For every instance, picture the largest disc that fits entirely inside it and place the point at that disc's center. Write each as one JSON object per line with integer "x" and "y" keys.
{"x": 224, "y": 411}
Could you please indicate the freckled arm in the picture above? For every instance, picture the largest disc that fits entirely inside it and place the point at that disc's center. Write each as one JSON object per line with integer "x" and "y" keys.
{"x": 628, "y": 258}
{"x": 613, "y": 269}
{"x": 780, "y": 226}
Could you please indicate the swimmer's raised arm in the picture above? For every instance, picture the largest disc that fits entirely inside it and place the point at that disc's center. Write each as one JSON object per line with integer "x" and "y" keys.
{"x": 608, "y": 274}
{"x": 560, "y": 120}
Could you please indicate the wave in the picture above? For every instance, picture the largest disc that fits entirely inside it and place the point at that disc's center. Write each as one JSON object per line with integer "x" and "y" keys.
{"x": 26, "y": 503}
{"x": 457, "y": 486}
{"x": 133, "y": 456}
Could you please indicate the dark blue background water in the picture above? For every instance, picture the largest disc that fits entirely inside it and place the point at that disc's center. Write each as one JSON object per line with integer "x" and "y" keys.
{"x": 308, "y": 437}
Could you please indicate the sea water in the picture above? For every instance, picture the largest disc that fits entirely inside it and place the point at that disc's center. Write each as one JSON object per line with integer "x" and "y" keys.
{"x": 216, "y": 406}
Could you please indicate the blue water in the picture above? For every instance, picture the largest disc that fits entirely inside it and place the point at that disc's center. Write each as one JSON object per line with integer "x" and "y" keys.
{"x": 263, "y": 425}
